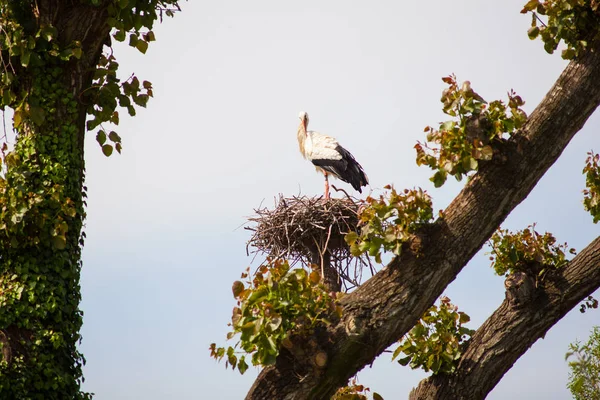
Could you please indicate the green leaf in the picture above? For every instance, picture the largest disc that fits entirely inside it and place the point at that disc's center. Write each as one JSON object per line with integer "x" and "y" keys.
{"x": 66, "y": 54}
{"x": 7, "y": 96}
{"x": 59, "y": 242}
{"x": 533, "y": 32}
{"x": 568, "y": 54}
{"x": 107, "y": 149}
{"x": 275, "y": 322}
{"x": 101, "y": 137}
{"x": 119, "y": 35}
{"x": 259, "y": 294}
{"x": 377, "y": 396}
{"x": 351, "y": 237}
{"x": 404, "y": 361}
{"x": 242, "y": 366}
{"x": 37, "y": 114}
{"x": 142, "y": 46}
{"x": 77, "y": 52}
{"x": 25, "y": 55}
{"x": 438, "y": 179}
{"x": 530, "y": 6}
{"x": 48, "y": 33}
{"x": 114, "y": 136}
{"x": 472, "y": 163}
{"x": 17, "y": 117}
{"x": 91, "y": 124}
{"x": 141, "y": 100}
{"x": 133, "y": 39}
{"x": 447, "y": 126}
{"x": 149, "y": 36}
{"x": 397, "y": 352}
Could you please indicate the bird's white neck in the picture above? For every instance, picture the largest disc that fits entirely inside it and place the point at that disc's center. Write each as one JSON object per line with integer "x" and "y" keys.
{"x": 302, "y": 138}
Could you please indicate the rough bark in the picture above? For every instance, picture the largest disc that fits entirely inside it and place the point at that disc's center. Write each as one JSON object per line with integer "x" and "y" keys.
{"x": 383, "y": 309}
{"x": 331, "y": 278}
{"x": 513, "y": 328}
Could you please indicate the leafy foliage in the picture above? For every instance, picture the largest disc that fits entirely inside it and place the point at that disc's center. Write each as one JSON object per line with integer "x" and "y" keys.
{"x": 130, "y": 20}
{"x": 457, "y": 146}
{"x": 584, "y": 377}
{"x": 437, "y": 341}
{"x": 589, "y": 303}
{"x": 42, "y": 196}
{"x": 574, "y": 22}
{"x": 355, "y": 391}
{"x": 591, "y": 195}
{"x": 526, "y": 251}
{"x": 271, "y": 307}
{"x": 388, "y": 223}
{"x": 26, "y": 47}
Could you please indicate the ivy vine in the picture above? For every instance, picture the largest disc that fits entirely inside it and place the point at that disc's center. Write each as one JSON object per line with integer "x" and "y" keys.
{"x": 42, "y": 196}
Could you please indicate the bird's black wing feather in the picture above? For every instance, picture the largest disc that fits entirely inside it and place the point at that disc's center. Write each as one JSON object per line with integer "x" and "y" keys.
{"x": 347, "y": 169}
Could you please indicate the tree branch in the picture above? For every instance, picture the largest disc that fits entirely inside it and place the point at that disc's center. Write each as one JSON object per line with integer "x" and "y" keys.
{"x": 383, "y": 309}
{"x": 511, "y": 330}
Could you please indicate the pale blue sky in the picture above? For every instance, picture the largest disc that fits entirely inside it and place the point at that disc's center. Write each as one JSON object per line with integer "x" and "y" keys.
{"x": 163, "y": 239}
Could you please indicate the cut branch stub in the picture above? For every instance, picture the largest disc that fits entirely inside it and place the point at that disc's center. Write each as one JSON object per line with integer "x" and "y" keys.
{"x": 311, "y": 230}
{"x": 520, "y": 289}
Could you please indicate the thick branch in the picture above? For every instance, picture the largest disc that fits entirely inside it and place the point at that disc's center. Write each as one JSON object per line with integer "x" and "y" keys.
{"x": 511, "y": 331}
{"x": 382, "y": 310}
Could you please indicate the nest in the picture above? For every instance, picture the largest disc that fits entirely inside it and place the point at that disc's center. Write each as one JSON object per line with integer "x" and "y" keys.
{"x": 310, "y": 230}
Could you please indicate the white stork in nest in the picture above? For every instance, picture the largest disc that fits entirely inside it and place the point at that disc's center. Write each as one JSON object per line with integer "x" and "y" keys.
{"x": 329, "y": 157}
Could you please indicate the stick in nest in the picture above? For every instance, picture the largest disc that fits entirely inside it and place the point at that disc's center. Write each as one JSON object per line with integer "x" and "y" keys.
{"x": 299, "y": 226}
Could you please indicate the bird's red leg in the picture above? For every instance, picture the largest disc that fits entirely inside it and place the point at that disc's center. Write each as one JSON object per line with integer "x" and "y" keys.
{"x": 326, "y": 187}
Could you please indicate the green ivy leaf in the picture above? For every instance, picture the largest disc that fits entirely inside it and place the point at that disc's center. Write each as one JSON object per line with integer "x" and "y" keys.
{"x": 59, "y": 242}
{"x": 25, "y": 56}
{"x": 37, "y": 114}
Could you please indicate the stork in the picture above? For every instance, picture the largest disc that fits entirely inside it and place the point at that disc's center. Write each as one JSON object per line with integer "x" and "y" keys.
{"x": 329, "y": 157}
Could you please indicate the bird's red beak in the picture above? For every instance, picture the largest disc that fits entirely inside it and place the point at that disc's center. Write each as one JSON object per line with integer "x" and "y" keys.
{"x": 304, "y": 122}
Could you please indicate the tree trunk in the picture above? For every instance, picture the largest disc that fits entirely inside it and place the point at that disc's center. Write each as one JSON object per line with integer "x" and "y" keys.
{"x": 42, "y": 200}
{"x": 513, "y": 328}
{"x": 385, "y": 308}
